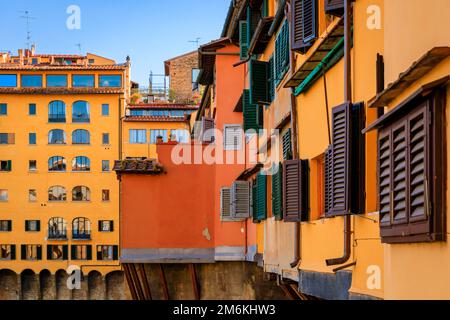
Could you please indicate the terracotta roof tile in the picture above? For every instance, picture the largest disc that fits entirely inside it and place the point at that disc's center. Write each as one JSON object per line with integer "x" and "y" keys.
{"x": 154, "y": 119}
{"x": 154, "y": 106}
{"x": 60, "y": 67}
{"x": 61, "y": 90}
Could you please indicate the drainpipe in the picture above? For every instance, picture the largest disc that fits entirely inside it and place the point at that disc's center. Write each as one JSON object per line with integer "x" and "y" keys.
{"x": 348, "y": 99}
{"x": 295, "y": 151}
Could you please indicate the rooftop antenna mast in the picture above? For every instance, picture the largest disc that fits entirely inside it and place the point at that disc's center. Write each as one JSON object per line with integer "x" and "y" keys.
{"x": 28, "y": 18}
{"x": 196, "y": 41}
{"x": 79, "y": 47}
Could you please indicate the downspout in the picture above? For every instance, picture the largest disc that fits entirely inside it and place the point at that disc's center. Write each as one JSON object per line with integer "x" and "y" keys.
{"x": 295, "y": 149}
{"x": 348, "y": 99}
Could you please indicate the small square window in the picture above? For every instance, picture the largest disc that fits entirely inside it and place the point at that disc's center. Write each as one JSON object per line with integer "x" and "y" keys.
{"x": 32, "y": 195}
{"x": 32, "y": 226}
{"x": 7, "y": 252}
{"x": 5, "y": 165}
{"x": 5, "y": 225}
{"x": 107, "y": 253}
{"x": 32, "y": 109}
{"x": 32, "y": 138}
{"x": 3, "y": 195}
{"x": 105, "y": 195}
{"x": 106, "y": 226}
{"x": 3, "y": 109}
{"x": 105, "y": 166}
{"x": 105, "y": 110}
{"x": 105, "y": 138}
{"x": 32, "y": 165}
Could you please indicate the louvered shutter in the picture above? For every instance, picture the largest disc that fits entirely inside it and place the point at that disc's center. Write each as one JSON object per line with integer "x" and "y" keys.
{"x": 287, "y": 145}
{"x": 271, "y": 79}
{"x": 23, "y": 252}
{"x": 9, "y": 225}
{"x": 254, "y": 201}
{"x": 9, "y": 165}
{"x": 261, "y": 195}
{"x": 243, "y": 39}
{"x": 334, "y": 7}
{"x": 295, "y": 190}
{"x": 297, "y": 25}
{"x": 233, "y": 137}
{"x": 253, "y": 18}
{"x": 328, "y": 180}
{"x": 207, "y": 130}
{"x": 49, "y": 252}
{"x": 99, "y": 253}
{"x": 13, "y": 252}
{"x": 115, "y": 253}
{"x": 73, "y": 252}
{"x": 282, "y": 56}
{"x": 384, "y": 177}
{"x": 38, "y": 225}
{"x": 240, "y": 200}
{"x": 309, "y": 20}
{"x": 259, "y": 83}
{"x": 341, "y": 160}
{"x": 277, "y": 192}
{"x": 250, "y": 113}
{"x": 89, "y": 252}
{"x": 225, "y": 204}
{"x": 65, "y": 252}
{"x": 39, "y": 252}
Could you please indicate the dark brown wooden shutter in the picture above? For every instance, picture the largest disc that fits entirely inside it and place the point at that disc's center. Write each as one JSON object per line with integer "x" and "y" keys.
{"x": 334, "y": 7}
{"x": 328, "y": 180}
{"x": 295, "y": 190}
{"x": 309, "y": 20}
{"x": 297, "y": 25}
{"x": 207, "y": 130}
{"x": 384, "y": 177}
{"x": 399, "y": 174}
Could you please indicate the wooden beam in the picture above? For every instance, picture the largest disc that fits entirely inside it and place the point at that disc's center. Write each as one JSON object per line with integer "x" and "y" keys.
{"x": 163, "y": 282}
{"x": 148, "y": 293}
{"x": 130, "y": 282}
{"x": 137, "y": 282}
{"x": 194, "y": 281}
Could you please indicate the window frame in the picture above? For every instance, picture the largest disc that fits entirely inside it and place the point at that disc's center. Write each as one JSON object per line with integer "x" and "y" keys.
{"x": 39, "y": 84}
{"x": 57, "y": 75}
{"x": 85, "y": 76}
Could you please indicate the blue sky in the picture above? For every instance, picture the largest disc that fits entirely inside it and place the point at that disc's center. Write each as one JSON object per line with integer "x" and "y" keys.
{"x": 150, "y": 31}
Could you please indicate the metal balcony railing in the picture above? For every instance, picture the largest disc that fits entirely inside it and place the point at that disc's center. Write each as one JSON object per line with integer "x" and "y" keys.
{"x": 56, "y": 118}
{"x": 57, "y": 235}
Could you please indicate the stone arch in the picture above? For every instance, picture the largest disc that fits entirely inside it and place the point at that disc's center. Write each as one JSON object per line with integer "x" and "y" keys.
{"x": 29, "y": 285}
{"x": 9, "y": 285}
{"x": 115, "y": 286}
{"x": 48, "y": 285}
{"x": 83, "y": 292}
{"x": 62, "y": 291}
{"x": 96, "y": 285}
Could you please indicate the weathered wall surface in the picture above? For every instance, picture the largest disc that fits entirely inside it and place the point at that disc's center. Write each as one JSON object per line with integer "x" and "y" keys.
{"x": 181, "y": 76}
{"x": 47, "y": 286}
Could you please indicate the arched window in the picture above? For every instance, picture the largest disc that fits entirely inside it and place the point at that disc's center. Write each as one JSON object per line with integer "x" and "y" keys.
{"x": 57, "y": 228}
{"x": 81, "y": 137}
{"x": 81, "y": 164}
{"x": 80, "y": 112}
{"x": 57, "y": 112}
{"x": 57, "y": 193}
{"x": 81, "y": 193}
{"x": 57, "y": 137}
{"x": 81, "y": 228}
{"x": 57, "y": 163}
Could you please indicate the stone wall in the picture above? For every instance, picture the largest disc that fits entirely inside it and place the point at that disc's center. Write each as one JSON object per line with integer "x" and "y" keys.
{"x": 181, "y": 77}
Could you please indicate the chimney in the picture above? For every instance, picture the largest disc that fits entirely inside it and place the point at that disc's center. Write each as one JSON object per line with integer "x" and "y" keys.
{"x": 33, "y": 50}
{"x": 159, "y": 139}
{"x": 21, "y": 56}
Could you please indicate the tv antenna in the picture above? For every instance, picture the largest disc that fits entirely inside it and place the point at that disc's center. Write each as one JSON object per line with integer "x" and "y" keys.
{"x": 28, "y": 18}
{"x": 196, "y": 41}
{"x": 79, "y": 47}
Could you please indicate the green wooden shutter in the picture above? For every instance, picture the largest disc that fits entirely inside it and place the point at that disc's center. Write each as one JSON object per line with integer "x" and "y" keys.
{"x": 13, "y": 252}
{"x": 49, "y": 252}
{"x": 261, "y": 182}
{"x": 73, "y": 252}
{"x": 9, "y": 166}
{"x": 255, "y": 202}
{"x": 287, "y": 145}
{"x": 38, "y": 225}
{"x": 39, "y": 252}
{"x": 9, "y": 225}
{"x": 23, "y": 252}
{"x": 89, "y": 252}
{"x": 259, "y": 82}
{"x": 271, "y": 79}
{"x": 115, "y": 253}
{"x": 249, "y": 112}
{"x": 112, "y": 226}
{"x": 243, "y": 39}
{"x": 277, "y": 193}
{"x": 65, "y": 252}
{"x": 282, "y": 56}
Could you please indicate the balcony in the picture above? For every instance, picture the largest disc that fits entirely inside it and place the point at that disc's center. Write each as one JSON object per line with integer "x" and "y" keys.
{"x": 57, "y": 118}
{"x": 81, "y": 236}
{"x": 81, "y": 118}
{"x": 57, "y": 235}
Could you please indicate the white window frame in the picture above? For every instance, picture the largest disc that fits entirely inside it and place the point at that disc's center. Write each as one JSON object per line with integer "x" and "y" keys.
{"x": 233, "y": 147}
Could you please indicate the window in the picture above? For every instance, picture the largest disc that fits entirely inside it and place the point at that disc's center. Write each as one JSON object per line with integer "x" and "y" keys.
{"x": 81, "y": 252}
{"x": 105, "y": 166}
{"x": 81, "y": 229}
{"x": 32, "y": 109}
{"x": 107, "y": 253}
{"x": 57, "y": 164}
{"x": 91, "y": 61}
{"x": 7, "y": 138}
{"x": 138, "y": 136}
{"x": 5, "y": 165}
{"x": 57, "y": 229}
{"x": 32, "y": 195}
{"x": 154, "y": 134}
{"x": 5, "y": 225}
{"x": 57, "y": 252}
{"x": 31, "y": 252}
{"x": 80, "y": 112}
{"x": 81, "y": 137}
{"x": 57, "y": 136}
{"x": 57, "y": 81}
{"x": 57, "y": 194}
{"x": 105, "y": 195}
{"x": 32, "y": 138}
{"x": 177, "y": 113}
{"x": 32, "y": 165}
{"x": 287, "y": 145}
{"x": 105, "y": 138}
{"x": 233, "y": 137}
{"x": 3, "y": 195}
{"x": 83, "y": 81}
{"x": 8, "y": 80}
{"x": 7, "y": 252}
{"x": 57, "y": 112}
{"x": 250, "y": 113}
{"x": 106, "y": 226}
{"x": 3, "y": 109}
{"x": 81, "y": 193}
{"x": 32, "y": 226}
{"x": 34, "y": 61}
{"x": 282, "y": 55}
{"x": 181, "y": 136}
{"x": 295, "y": 190}
{"x": 81, "y": 164}
{"x": 31, "y": 81}
{"x": 110, "y": 81}
{"x": 195, "y": 73}
{"x": 259, "y": 82}
{"x": 304, "y": 25}
{"x": 105, "y": 110}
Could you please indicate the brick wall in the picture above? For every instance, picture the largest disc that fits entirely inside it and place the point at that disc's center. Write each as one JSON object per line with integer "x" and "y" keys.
{"x": 181, "y": 76}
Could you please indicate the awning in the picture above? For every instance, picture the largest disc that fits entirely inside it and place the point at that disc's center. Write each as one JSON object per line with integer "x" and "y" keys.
{"x": 324, "y": 48}
{"x": 261, "y": 36}
{"x": 207, "y": 62}
{"x": 249, "y": 172}
{"x": 403, "y": 107}
{"x": 417, "y": 70}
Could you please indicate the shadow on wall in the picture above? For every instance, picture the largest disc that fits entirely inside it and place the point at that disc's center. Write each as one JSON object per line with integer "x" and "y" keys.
{"x": 46, "y": 286}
